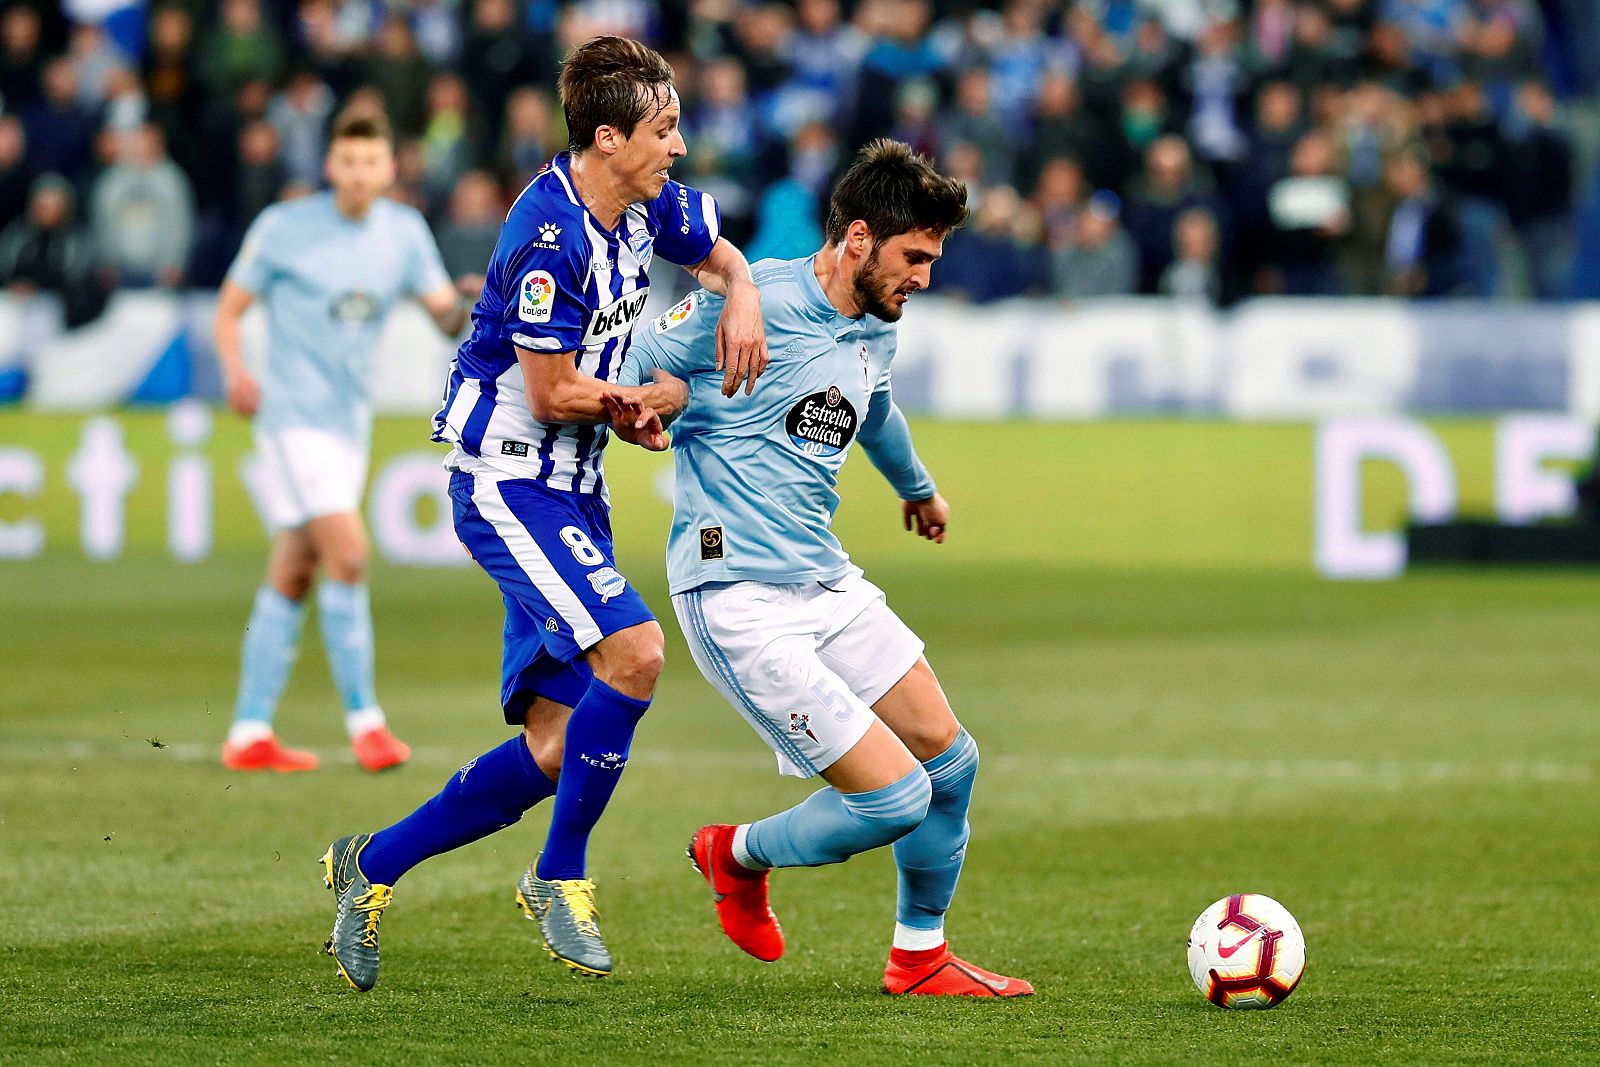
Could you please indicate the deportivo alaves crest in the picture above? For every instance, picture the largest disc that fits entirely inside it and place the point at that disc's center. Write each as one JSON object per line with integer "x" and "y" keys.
{"x": 822, "y": 424}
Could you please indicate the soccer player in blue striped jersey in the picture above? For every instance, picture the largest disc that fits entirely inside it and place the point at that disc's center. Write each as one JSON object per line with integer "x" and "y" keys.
{"x": 777, "y": 617}
{"x": 524, "y": 411}
{"x": 326, "y": 269}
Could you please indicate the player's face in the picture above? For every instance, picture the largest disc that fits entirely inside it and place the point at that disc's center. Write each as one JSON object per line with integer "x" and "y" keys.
{"x": 642, "y": 161}
{"x": 895, "y": 269}
{"x": 359, "y": 169}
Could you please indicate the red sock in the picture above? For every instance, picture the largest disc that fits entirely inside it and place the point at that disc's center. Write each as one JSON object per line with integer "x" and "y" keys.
{"x": 914, "y": 958}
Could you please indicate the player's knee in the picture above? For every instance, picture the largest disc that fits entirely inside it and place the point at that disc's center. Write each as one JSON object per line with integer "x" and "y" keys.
{"x": 888, "y": 818}
{"x": 633, "y": 664}
{"x": 547, "y": 747}
{"x": 933, "y": 739}
{"x": 348, "y": 565}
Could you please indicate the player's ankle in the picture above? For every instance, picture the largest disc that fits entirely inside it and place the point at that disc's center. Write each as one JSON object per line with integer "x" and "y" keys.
{"x": 738, "y": 860}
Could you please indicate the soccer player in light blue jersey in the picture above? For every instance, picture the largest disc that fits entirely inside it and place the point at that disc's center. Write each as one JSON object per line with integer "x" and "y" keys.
{"x": 777, "y": 617}
{"x": 524, "y": 411}
{"x": 327, "y": 268}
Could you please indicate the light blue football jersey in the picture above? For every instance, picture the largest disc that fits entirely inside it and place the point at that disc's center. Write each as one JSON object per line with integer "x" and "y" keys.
{"x": 326, "y": 282}
{"x": 757, "y": 476}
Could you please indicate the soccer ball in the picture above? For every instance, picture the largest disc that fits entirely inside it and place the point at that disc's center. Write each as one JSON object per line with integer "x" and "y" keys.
{"x": 1246, "y": 951}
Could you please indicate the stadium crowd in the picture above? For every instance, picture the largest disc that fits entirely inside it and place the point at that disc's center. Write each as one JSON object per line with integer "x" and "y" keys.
{"x": 1208, "y": 149}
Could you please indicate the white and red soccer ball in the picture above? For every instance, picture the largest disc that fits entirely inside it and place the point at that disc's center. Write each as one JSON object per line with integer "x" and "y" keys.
{"x": 1246, "y": 951}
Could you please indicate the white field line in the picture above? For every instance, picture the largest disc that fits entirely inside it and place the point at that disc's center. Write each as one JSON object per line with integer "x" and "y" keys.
{"x": 1383, "y": 772}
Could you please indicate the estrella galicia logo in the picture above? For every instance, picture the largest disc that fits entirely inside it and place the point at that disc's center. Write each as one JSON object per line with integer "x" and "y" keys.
{"x": 823, "y": 424}
{"x": 607, "y": 583}
{"x": 353, "y": 308}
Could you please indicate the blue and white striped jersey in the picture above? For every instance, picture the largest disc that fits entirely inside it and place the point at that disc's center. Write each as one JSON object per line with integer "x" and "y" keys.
{"x": 559, "y": 282}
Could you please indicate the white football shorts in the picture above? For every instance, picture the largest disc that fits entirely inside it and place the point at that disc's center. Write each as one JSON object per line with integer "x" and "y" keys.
{"x": 803, "y": 663}
{"x": 306, "y": 473}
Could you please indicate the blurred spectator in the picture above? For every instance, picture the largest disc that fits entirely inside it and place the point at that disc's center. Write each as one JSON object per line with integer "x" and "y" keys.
{"x": 96, "y": 57}
{"x": 171, "y": 80}
{"x": 1194, "y": 275}
{"x": 1059, "y": 199}
{"x": 1019, "y": 60}
{"x": 498, "y": 57}
{"x": 725, "y": 145}
{"x": 973, "y": 119}
{"x": 1541, "y": 169}
{"x": 786, "y": 223}
{"x": 446, "y": 138}
{"x": 1500, "y": 40}
{"x": 824, "y": 55}
{"x": 61, "y": 128}
{"x": 21, "y": 56}
{"x": 1167, "y": 187}
{"x": 529, "y": 138}
{"x": 815, "y": 160}
{"x": 411, "y": 174}
{"x": 261, "y": 171}
{"x": 143, "y": 211}
{"x": 914, "y": 105}
{"x": 1422, "y": 250}
{"x": 46, "y": 251}
{"x": 1474, "y": 165}
{"x": 997, "y": 256}
{"x": 16, "y": 169}
{"x": 472, "y": 225}
{"x": 126, "y": 106}
{"x": 243, "y": 46}
{"x": 400, "y": 73}
{"x": 1217, "y": 82}
{"x": 300, "y": 113}
{"x": 1102, "y": 259}
{"x": 1061, "y": 127}
{"x": 900, "y": 48}
{"x": 1310, "y": 212}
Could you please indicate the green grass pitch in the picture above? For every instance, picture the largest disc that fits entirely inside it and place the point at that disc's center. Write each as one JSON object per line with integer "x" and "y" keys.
{"x": 1171, "y": 707}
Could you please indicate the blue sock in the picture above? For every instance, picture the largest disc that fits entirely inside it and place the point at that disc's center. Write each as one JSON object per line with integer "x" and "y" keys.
{"x": 271, "y": 639}
{"x": 486, "y": 795}
{"x": 345, "y": 614}
{"x": 599, "y": 735}
{"x": 929, "y": 858}
{"x": 830, "y": 826}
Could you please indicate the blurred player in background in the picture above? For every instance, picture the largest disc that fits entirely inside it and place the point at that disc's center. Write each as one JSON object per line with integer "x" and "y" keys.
{"x": 523, "y": 408}
{"x": 777, "y": 617}
{"x": 328, "y": 268}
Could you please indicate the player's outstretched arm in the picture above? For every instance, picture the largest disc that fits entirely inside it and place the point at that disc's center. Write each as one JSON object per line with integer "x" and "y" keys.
{"x": 558, "y": 392}
{"x": 446, "y": 304}
{"x": 886, "y": 436}
{"x": 741, "y": 336}
{"x": 240, "y": 386}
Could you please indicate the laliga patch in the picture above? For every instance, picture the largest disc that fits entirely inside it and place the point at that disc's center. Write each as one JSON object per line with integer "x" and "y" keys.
{"x": 607, "y": 583}
{"x": 678, "y": 315}
{"x": 823, "y": 424}
{"x": 537, "y": 298}
{"x": 710, "y": 543}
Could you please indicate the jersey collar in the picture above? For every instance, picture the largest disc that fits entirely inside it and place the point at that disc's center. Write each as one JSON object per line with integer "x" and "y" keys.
{"x": 818, "y": 300}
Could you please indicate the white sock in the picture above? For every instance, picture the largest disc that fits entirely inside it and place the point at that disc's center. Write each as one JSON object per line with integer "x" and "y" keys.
{"x": 907, "y": 939}
{"x": 366, "y": 720}
{"x": 248, "y": 732}
{"x": 741, "y": 850}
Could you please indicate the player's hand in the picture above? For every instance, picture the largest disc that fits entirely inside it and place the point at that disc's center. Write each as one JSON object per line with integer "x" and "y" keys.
{"x": 929, "y": 517}
{"x": 741, "y": 340}
{"x": 244, "y": 394}
{"x": 635, "y": 422}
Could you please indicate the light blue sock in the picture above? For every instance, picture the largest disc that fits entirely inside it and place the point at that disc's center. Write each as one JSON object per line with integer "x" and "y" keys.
{"x": 929, "y": 858}
{"x": 271, "y": 639}
{"x": 830, "y": 826}
{"x": 345, "y": 614}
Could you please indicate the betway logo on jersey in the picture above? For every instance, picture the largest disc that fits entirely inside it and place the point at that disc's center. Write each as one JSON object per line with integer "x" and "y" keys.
{"x": 616, "y": 318}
